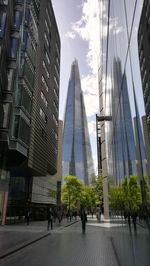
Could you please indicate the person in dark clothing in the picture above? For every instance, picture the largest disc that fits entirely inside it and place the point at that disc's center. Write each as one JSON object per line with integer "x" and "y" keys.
{"x": 50, "y": 219}
{"x": 28, "y": 214}
{"x": 84, "y": 220}
{"x": 134, "y": 218}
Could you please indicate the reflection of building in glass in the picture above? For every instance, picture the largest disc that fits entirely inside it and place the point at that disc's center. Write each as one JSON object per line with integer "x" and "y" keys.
{"x": 144, "y": 47}
{"x": 119, "y": 85}
{"x": 122, "y": 136}
{"x": 77, "y": 157}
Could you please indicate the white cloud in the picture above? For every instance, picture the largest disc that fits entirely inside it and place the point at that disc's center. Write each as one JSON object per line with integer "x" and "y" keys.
{"x": 90, "y": 91}
{"x": 70, "y": 34}
{"x": 92, "y": 127}
{"x": 87, "y": 28}
{"x": 95, "y": 163}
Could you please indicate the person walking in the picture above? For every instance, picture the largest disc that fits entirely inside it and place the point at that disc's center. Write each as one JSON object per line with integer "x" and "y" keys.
{"x": 50, "y": 219}
{"x": 28, "y": 214}
{"x": 83, "y": 220}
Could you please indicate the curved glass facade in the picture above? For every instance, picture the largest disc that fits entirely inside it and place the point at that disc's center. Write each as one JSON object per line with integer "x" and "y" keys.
{"x": 77, "y": 156}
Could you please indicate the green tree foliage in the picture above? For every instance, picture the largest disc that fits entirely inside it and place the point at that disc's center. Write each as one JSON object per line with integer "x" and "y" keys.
{"x": 127, "y": 197}
{"x": 97, "y": 187}
{"x": 71, "y": 191}
{"x": 116, "y": 198}
{"x": 75, "y": 194}
{"x": 88, "y": 199}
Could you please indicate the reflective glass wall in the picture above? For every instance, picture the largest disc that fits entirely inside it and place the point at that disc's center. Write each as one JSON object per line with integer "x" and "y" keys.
{"x": 120, "y": 85}
{"x": 121, "y": 100}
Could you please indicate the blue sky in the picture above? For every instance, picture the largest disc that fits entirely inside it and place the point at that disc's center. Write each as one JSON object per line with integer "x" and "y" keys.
{"x": 77, "y": 22}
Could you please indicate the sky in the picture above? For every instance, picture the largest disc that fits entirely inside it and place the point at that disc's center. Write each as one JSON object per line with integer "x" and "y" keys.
{"x": 78, "y": 25}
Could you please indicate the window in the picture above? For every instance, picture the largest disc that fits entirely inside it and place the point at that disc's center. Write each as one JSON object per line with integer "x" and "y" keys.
{"x": 55, "y": 106}
{"x": 6, "y": 115}
{"x": 56, "y": 82}
{"x": 25, "y": 40}
{"x": 57, "y": 72}
{"x": 43, "y": 116}
{"x": 54, "y": 134}
{"x": 47, "y": 26}
{"x": 46, "y": 70}
{"x": 47, "y": 57}
{"x": 57, "y": 49}
{"x": 55, "y": 120}
{"x": 27, "y": 16}
{"x": 45, "y": 83}
{"x": 57, "y": 61}
{"x": 55, "y": 93}
{"x": 13, "y": 47}
{"x": 46, "y": 39}
{"x": 17, "y": 20}
{"x": 44, "y": 99}
{"x": 43, "y": 133}
{"x": 2, "y": 23}
{"x": 49, "y": 20}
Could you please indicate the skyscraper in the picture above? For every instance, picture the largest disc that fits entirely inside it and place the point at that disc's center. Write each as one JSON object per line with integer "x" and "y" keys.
{"x": 119, "y": 85}
{"x": 122, "y": 146}
{"x": 29, "y": 97}
{"x": 77, "y": 156}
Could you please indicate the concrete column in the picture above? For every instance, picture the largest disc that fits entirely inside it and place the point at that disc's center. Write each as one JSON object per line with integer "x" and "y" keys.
{"x": 104, "y": 171}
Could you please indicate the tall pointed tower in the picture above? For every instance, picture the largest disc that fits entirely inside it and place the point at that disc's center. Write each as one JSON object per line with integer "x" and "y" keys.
{"x": 77, "y": 155}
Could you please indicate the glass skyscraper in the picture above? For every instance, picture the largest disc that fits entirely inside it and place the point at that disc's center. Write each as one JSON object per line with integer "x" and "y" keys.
{"x": 77, "y": 155}
{"x": 119, "y": 86}
{"x": 122, "y": 146}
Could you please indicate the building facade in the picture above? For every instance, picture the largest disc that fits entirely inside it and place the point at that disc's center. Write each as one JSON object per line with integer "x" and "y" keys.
{"x": 143, "y": 48}
{"x": 119, "y": 80}
{"x": 119, "y": 89}
{"x": 30, "y": 51}
{"x": 77, "y": 156}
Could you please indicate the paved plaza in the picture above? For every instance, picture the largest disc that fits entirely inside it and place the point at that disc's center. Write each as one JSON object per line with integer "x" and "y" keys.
{"x": 104, "y": 244}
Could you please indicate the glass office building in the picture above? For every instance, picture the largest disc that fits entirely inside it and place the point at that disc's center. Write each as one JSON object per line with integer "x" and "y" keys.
{"x": 77, "y": 156}
{"x": 121, "y": 100}
{"x": 119, "y": 85}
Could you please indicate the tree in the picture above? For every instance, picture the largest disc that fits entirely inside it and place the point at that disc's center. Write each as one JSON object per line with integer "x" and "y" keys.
{"x": 127, "y": 197}
{"x": 71, "y": 192}
{"x": 116, "y": 198}
{"x": 97, "y": 186}
{"x": 88, "y": 198}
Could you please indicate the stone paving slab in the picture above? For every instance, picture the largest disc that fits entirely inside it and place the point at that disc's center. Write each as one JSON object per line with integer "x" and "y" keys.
{"x": 16, "y": 237}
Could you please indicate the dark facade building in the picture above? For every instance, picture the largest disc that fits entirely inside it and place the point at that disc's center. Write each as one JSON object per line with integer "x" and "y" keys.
{"x": 30, "y": 52}
{"x": 143, "y": 47}
{"x": 77, "y": 156}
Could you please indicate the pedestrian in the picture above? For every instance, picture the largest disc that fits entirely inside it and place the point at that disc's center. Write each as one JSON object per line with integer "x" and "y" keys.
{"x": 50, "y": 219}
{"x": 83, "y": 220}
{"x": 68, "y": 215}
{"x": 134, "y": 218}
{"x": 28, "y": 216}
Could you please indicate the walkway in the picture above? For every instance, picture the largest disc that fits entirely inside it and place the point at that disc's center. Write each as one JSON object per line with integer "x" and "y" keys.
{"x": 103, "y": 244}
